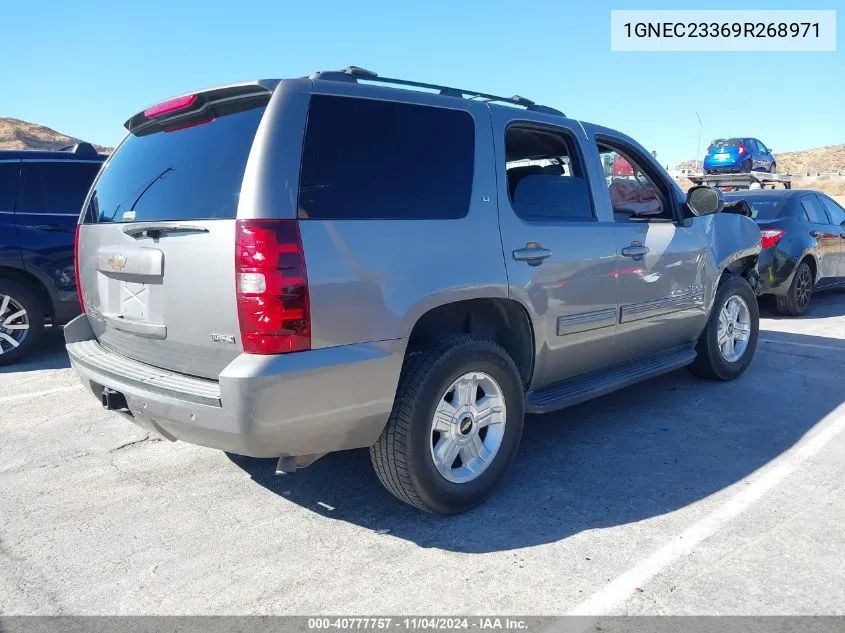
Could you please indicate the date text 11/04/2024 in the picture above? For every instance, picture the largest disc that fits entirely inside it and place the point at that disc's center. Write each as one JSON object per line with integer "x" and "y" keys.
{"x": 726, "y": 29}
{"x": 417, "y": 623}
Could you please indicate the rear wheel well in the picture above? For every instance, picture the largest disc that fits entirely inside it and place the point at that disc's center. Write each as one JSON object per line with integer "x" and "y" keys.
{"x": 811, "y": 262}
{"x": 31, "y": 282}
{"x": 504, "y": 321}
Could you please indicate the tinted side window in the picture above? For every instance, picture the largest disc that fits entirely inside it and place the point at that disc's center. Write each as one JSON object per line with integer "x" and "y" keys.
{"x": 834, "y": 211}
{"x": 9, "y": 185}
{"x": 31, "y": 198}
{"x": 58, "y": 187}
{"x": 813, "y": 209}
{"x": 367, "y": 159}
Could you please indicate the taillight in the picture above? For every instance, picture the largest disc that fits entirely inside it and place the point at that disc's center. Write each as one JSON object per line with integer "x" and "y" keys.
{"x": 171, "y": 105}
{"x": 742, "y": 149}
{"x": 272, "y": 287}
{"x": 78, "y": 279}
{"x": 770, "y": 237}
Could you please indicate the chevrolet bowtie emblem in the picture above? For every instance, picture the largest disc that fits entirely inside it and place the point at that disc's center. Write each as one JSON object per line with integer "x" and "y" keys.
{"x": 117, "y": 262}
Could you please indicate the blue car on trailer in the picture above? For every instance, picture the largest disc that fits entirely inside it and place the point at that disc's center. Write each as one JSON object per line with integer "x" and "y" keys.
{"x": 738, "y": 155}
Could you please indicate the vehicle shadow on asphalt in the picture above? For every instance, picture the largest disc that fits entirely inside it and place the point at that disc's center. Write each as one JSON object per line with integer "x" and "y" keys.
{"x": 639, "y": 453}
{"x": 50, "y": 354}
{"x": 827, "y": 303}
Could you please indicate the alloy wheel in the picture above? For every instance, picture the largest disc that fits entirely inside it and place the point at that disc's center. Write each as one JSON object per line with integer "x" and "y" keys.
{"x": 803, "y": 287}
{"x": 734, "y": 329}
{"x": 468, "y": 427}
{"x": 14, "y": 323}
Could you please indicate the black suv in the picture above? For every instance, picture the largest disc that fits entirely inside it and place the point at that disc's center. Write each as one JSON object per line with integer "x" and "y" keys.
{"x": 41, "y": 194}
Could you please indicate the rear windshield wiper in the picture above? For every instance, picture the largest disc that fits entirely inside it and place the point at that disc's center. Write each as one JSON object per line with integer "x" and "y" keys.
{"x": 157, "y": 230}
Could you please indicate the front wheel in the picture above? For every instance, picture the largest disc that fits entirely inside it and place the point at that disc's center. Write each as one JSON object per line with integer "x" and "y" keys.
{"x": 773, "y": 169}
{"x": 727, "y": 344}
{"x": 455, "y": 426}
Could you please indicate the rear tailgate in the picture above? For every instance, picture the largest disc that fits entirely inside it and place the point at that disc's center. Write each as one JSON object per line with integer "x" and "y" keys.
{"x": 157, "y": 241}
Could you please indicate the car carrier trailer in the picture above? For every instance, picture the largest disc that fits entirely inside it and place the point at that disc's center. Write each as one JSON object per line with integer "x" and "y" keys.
{"x": 735, "y": 182}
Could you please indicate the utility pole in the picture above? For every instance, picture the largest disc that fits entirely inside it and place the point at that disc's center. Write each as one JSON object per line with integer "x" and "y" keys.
{"x": 698, "y": 148}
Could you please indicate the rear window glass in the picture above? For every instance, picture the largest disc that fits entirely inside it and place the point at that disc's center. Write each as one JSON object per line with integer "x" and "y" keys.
{"x": 762, "y": 210}
{"x": 58, "y": 187}
{"x": 727, "y": 142}
{"x": 367, "y": 159}
{"x": 193, "y": 173}
{"x": 8, "y": 185}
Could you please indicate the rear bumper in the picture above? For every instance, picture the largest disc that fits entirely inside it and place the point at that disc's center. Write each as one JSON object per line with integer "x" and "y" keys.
{"x": 722, "y": 167}
{"x": 263, "y": 406}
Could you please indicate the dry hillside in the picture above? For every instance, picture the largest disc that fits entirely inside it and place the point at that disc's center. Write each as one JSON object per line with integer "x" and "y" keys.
{"x": 17, "y": 134}
{"x": 820, "y": 159}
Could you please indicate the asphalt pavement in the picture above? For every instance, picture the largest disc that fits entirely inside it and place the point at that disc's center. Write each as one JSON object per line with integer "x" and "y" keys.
{"x": 676, "y": 496}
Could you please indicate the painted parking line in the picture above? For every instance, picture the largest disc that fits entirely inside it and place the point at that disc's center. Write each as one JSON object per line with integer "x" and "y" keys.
{"x": 829, "y": 348}
{"x": 753, "y": 487}
{"x": 36, "y": 394}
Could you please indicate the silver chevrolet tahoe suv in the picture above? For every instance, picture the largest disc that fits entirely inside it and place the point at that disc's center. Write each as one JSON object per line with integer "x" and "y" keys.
{"x": 285, "y": 268}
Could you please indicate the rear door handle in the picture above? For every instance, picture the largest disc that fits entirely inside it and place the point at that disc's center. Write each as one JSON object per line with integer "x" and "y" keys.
{"x": 56, "y": 228}
{"x": 532, "y": 254}
{"x": 634, "y": 251}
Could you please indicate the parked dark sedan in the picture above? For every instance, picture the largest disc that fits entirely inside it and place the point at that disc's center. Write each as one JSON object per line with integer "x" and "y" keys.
{"x": 803, "y": 239}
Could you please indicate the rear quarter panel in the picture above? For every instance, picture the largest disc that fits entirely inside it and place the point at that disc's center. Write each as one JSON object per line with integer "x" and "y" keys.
{"x": 777, "y": 264}
{"x": 370, "y": 280}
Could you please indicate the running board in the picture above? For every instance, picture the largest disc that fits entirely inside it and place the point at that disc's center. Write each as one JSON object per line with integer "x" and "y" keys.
{"x": 598, "y": 383}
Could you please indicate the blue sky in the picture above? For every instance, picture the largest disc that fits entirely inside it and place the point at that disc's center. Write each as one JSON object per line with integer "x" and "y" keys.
{"x": 557, "y": 53}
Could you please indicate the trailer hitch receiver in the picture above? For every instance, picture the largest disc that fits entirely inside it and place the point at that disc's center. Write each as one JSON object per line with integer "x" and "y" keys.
{"x": 113, "y": 400}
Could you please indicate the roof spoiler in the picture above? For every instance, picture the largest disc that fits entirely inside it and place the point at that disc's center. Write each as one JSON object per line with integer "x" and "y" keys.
{"x": 83, "y": 149}
{"x": 203, "y": 101}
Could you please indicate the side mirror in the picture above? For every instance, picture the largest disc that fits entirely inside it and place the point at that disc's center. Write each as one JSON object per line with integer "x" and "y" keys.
{"x": 705, "y": 200}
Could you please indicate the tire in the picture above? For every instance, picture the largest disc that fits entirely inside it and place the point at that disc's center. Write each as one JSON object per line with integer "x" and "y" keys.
{"x": 15, "y": 297}
{"x": 711, "y": 362}
{"x": 747, "y": 166}
{"x": 797, "y": 298}
{"x": 773, "y": 168}
{"x": 403, "y": 456}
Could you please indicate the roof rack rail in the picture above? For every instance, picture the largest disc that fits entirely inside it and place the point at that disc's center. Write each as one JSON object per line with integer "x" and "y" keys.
{"x": 354, "y": 73}
{"x": 83, "y": 148}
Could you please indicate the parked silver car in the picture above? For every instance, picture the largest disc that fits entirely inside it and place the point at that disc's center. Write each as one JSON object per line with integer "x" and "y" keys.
{"x": 291, "y": 267}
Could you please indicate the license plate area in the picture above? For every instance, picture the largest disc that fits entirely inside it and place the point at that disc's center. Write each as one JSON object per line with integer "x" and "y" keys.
{"x": 134, "y": 301}
{"x": 130, "y": 283}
